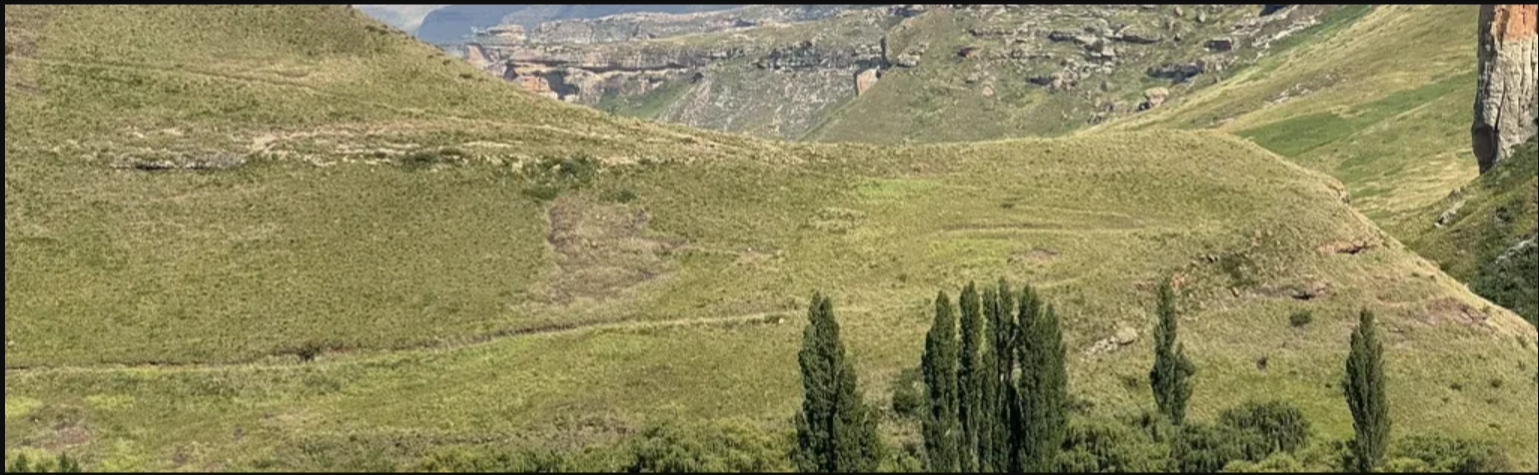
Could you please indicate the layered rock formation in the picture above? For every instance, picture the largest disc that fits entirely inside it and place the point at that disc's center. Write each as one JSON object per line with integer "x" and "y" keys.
{"x": 1508, "y": 94}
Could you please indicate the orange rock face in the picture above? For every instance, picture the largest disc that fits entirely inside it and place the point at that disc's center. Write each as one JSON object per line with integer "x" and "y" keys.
{"x": 1515, "y": 22}
{"x": 1507, "y": 97}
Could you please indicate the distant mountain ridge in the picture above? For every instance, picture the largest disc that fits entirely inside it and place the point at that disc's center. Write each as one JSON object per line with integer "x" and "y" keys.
{"x": 453, "y": 23}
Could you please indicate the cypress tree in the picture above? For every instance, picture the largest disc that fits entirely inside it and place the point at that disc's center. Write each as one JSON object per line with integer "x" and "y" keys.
{"x": 941, "y": 431}
{"x": 1044, "y": 388}
{"x": 1364, "y": 386}
{"x": 970, "y": 409}
{"x": 1171, "y": 376}
{"x": 990, "y": 427}
{"x": 1002, "y": 320}
{"x": 836, "y": 431}
{"x": 1022, "y": 384}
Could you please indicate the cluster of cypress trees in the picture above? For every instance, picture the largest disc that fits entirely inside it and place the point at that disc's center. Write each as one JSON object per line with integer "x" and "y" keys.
{"x": 997, "y": 385}
{"x": 999, "y": 396}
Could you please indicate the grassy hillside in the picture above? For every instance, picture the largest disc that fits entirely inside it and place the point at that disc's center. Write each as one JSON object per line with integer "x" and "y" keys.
{"x": 1382, "y": 103}
{"x": 1478, "y": 233}
{"x": 274, "y": 238}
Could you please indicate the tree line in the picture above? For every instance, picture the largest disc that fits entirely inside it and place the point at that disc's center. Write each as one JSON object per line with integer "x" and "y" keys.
{"x": 996, "y": 399}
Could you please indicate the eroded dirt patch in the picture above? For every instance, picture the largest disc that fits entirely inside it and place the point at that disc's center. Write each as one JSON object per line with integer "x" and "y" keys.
{"x": 603, "y": 249}
{"x": 1451, "y": 310}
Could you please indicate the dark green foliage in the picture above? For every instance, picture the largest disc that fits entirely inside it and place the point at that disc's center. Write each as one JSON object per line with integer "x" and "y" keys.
{"x": 1365, "y": 393}
{"x": 1171, "y": 376}
{"x": 1203, "y": 448}
{"x": 705, "y": 449}
{"x": 1277, "y": 426}
{"x": 991, "y": 444}
{"x": 22, "y": 464}
{"x": 836, "y": 432}
{"x": 520, "y": 461}
{"x": 1043, "y": 385}
{"x": 427, "y": 158}
{"x": 908, "y": 398}
{"x": 941, "y": 428}
{"x": 1301, "y": 318}
{"x": 1110, "y": 447}
{"x": 1512, "y": 280}
{"x": 974, "y": 415}
{"x": 1005, "y": 334}
{"x": 546, "y": 179}
{"x": 1442, "y": 454}
{"x": 1240, "y": 269}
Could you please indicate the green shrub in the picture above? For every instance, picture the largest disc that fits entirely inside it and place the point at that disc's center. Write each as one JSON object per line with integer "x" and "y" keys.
{"x": 1278, "y": 463}
{"x": 470, "y": 461}
{"x": 1240, "y": 269}
{"x": 621, "y": 196}
{"x": 1274, "y": 426}
{"x": 713, "y": 448}
{"x": 1512, "y": 280}
{"x": 1203, "y": 448}
{"x": 1444, "y": 454}
{"x": 542, "y": 193}
{"x": 908, "y": 395}
{"x": 1301, "y": 319}
{"x": 22, "y": 464}
{"x": 1109, "y": 447}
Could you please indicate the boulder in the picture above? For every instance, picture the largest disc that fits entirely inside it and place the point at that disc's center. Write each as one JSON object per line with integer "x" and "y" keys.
{"x": 1178, "y": 72}
{"x": 1136, "y": 36}
{"x": 907, "y": 61}
{"x": 864, "y": 80}
{"x": 1154, "y": 98}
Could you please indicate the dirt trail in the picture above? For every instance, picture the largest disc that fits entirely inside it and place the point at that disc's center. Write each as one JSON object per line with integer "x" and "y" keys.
{"x": 485, "y": 339}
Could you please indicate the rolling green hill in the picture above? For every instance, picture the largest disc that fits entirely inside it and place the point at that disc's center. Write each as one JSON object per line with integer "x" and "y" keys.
{"x": 287, "y": 238}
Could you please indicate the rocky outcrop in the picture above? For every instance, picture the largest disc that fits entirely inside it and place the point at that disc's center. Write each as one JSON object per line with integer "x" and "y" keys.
{"x": 1508, "y": 95}
{"x": 1154, "y": 98}
{"x": 865, "y": 80}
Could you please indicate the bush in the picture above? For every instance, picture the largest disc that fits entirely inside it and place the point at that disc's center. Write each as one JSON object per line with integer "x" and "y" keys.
{"x": 1512, "y": 280}
{"x": 22, "y": 464}
{"x": 1446, "y": 454}
{"x": 1203, "y": 448}
{"x": 1279, "y": 463}
{"x": 1108, "y": 447}
{"x": 1301, "y": 319}
{"x": 734, "y": 447}
{"x": 908, "y": 395}
{"x": 469, "y": 461}
{"x": 1272, "y": 427}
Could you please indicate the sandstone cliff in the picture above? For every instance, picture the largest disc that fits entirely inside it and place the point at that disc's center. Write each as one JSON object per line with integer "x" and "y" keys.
{"x": 1508, "y": 94}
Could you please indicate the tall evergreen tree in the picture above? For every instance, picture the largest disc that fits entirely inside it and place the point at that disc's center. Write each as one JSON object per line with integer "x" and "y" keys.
{"x": 1366, "y": 397}
{"x": 941, "y": 428}
{"x": 990, "y": 427}
{"x": 1044, "y": 390}
{"x": 971, "y": 376}
{"x": 1018, "y": 392}
{"x": 1002, "y": 321}
{"x": 836, "y": 431}
{"x": 1171, "y": 376}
